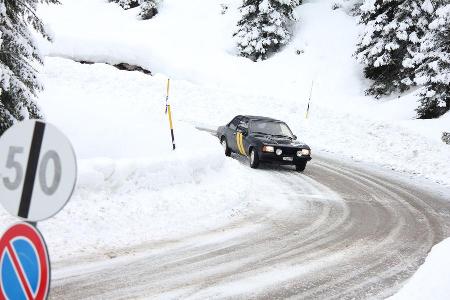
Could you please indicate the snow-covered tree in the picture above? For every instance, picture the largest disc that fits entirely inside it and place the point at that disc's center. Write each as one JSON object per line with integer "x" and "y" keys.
{"x": 434, "y": 72}
{"x": 19, "y": 57}
{"x": 390, "y": 44}
{"x": 264, "y": 27}
{"x": 148, "y": 8}
{"x": 127, "y": 4}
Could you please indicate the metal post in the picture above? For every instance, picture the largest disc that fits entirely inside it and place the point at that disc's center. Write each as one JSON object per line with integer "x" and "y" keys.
{"x": 34, "y": 224}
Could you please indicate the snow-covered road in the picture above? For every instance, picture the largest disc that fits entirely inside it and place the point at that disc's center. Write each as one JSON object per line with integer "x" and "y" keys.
{"x": 349, "y": 233}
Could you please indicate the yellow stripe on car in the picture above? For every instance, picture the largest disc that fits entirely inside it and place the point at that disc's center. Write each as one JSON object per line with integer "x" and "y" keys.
{"x": 242, "y": 144}
{"x": 238, "y": 138}
{"x": 239, "y": 143}
{"x": 241, "y": 148}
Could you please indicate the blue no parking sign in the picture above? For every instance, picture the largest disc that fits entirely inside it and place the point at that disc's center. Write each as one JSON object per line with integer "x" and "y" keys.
{"x": 24, "y": 264}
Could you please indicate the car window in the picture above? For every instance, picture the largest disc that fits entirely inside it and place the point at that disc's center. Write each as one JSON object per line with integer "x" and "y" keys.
{"x": 234, "y": 123}
{"x": 271, "y": 128}
{"x": 243, "y": 124}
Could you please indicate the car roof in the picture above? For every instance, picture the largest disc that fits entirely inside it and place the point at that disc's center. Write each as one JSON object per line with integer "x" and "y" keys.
{"x": 260, "y": 118}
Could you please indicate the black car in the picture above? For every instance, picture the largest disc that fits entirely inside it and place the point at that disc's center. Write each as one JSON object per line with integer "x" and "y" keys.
{"x": 263, "y": 139}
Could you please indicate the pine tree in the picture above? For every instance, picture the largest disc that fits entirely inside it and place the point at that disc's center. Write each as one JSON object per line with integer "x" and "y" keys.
{"x": 148, "y": 8}
{"x": 434, "y": 72}
{"x": 389, "y": 46}
{"x": 264, "y": 27}
{"x": 19, "y": 56}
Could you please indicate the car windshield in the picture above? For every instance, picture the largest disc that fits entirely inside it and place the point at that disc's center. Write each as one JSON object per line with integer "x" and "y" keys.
{"x": 271, "y": 128}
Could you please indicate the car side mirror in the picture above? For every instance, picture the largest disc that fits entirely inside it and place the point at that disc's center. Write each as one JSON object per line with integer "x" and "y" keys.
{"x": 243, "y": 131}
{"x": 295, "y": 137}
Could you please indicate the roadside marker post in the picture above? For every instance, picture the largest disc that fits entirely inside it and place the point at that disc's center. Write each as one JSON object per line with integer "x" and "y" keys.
{"x": 38, "y": 172}
{"x": 24, "y": 264}
{"x": 169, "y": 113}
{"x": 309, "y": 100}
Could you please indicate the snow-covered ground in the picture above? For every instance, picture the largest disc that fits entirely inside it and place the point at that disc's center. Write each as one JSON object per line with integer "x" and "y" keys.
{"x": 132, "y": 188}
{"x": 431, "y": 280}
{"x": 191, "y": 42}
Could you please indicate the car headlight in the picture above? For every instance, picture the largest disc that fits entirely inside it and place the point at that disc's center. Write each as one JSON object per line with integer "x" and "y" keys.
{"x": 279, "y": 151}
{"x": 268, "y": 149}
{"x": 304, "y": 152}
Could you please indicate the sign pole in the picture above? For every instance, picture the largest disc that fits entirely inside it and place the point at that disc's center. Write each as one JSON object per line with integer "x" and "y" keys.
{"x": 34, "y": 224}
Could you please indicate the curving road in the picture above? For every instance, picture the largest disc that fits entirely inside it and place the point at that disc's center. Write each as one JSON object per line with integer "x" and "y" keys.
{"x": 350, "y": 233}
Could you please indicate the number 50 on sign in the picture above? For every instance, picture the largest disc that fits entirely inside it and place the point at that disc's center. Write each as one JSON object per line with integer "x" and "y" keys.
{"x": 37, "y": 170}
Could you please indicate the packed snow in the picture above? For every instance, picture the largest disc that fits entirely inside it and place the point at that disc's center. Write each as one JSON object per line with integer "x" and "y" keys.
{"x": 133, "y": 188}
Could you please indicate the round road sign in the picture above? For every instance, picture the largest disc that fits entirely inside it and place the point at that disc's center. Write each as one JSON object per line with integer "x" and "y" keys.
{"x": 38, "y": 170}
{"x": 24, "y": 264}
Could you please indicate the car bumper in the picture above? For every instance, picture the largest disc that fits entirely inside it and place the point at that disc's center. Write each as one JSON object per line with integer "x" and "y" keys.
{"x": 283, "y": 159}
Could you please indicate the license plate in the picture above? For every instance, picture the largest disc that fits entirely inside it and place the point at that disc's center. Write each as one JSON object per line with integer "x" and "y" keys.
{"x": 288, "y": 158}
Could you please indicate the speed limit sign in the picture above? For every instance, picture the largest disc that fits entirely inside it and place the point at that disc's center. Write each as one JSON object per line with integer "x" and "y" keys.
{"x": 38, "y": 170}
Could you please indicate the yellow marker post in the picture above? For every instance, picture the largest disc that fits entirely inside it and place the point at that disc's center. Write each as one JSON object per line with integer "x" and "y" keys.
{"x": 169, "y": 112}
{"x": 309, "y": 101}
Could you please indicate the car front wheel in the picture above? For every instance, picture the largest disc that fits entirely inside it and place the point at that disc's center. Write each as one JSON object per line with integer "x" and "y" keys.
{"x": 225, "y": 147}
{"x": 300, "y": 167}
{"x": 254, "y": 159}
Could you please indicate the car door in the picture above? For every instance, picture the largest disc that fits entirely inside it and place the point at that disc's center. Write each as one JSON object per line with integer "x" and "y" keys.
{"x": 231, "y": 134}
{"x": 241, "y": 134}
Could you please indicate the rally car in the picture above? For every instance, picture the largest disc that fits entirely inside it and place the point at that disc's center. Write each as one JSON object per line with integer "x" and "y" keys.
{"x": 263, "y": 139}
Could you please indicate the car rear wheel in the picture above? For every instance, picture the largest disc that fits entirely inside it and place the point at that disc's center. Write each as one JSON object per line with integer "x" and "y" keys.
{"x": 254, "y": 159}
{"x": 225, "y": 147}
{"x": 300, "y": 167}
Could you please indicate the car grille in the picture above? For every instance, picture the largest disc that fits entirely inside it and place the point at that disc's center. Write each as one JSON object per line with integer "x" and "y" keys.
{"x": 288, "y": 150}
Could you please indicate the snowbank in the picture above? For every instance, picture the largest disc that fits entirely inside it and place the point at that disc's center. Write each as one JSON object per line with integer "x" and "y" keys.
{"x": 123, "y": 203}
{"x": 385, "y": 143}
{"x": 132, "y": 188}
{"x": 431, "y": 281}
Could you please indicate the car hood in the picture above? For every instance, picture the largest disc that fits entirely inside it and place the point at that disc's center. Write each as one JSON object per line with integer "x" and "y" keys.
{"x": 279, "y": 141}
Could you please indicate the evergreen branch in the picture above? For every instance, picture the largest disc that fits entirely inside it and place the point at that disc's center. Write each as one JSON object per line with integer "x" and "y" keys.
{"x": 30, "y": 9}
